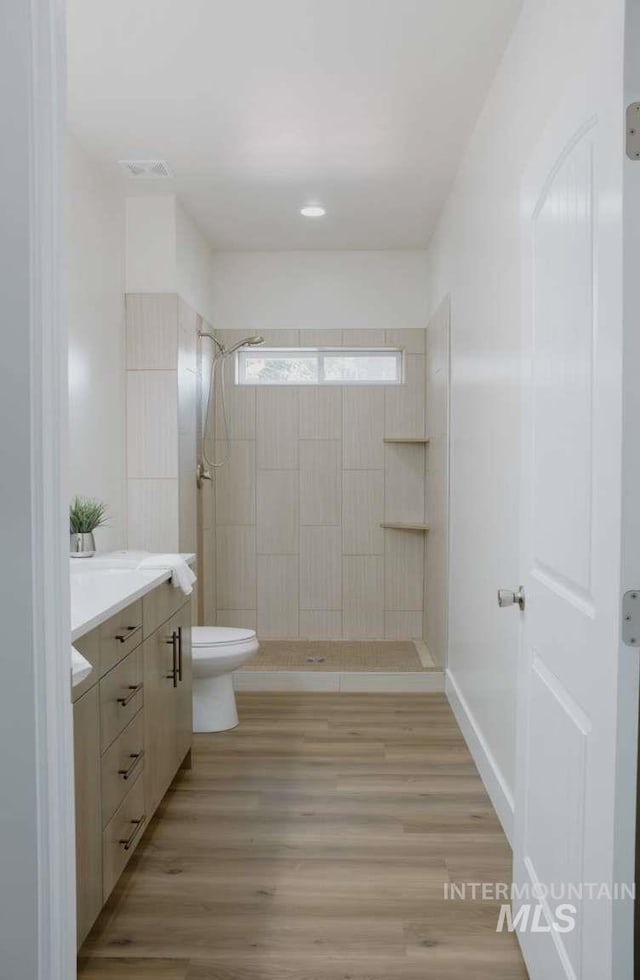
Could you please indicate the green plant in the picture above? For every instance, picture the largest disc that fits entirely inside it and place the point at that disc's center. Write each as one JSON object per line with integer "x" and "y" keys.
{"x": 86, "y": 514}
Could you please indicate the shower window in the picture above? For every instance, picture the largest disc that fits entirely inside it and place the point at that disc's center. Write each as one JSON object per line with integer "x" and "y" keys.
{"x": 319, "y": 366}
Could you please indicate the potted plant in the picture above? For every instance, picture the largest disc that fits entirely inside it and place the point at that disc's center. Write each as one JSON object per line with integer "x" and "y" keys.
{"x": 85, "y": 515}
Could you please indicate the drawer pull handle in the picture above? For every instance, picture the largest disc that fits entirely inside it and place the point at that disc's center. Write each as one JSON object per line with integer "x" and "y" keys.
{"x": 128, "y": 633}
{"x": 133, "y": 690}
{"x": 135, "y": 759}
{"x": 128, "y": 841}
{"x": 173, "y": 643}
{"x": 180, "y": 653}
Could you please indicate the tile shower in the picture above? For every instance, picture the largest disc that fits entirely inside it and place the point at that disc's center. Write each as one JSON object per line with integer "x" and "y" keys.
{"x": 291, "y": 537}
{"x": 288, "y": 533}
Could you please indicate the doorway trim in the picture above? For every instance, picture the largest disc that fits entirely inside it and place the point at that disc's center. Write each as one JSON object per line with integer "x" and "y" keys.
{"x": 38, "y": 932}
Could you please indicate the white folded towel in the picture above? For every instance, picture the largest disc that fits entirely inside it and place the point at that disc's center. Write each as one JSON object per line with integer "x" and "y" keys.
{"x": 181, "y": 575}
{"x": 80, "y": 666}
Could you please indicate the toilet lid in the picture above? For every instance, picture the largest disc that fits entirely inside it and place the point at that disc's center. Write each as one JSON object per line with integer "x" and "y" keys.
{"x": 214, "y": 636}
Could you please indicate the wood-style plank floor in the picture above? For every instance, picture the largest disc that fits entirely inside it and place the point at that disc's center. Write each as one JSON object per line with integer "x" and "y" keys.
{"x": 313, "y": 843}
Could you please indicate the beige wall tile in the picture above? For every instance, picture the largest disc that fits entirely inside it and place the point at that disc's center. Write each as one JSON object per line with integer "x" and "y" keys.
{"x": 238, "y": 618}
{"x": 189, "y": 322}
{"x": 281, "y": 338}
{"x": 152, "y": 424}
{"x": 404, "y": 493}
{"x": 320, "y": 413}
{"x": 277, "y": 596}
{"x": 320, "y": 624}
{"x": 363, "y": 597}
{"x": 152, "y": 331}
{"x": 363, "y": 338}
{"x": 321, "y": 338}
{"x": 404, "y": 413}
{"x": 195, "y": 604}
{"x": 187, "y": 450}
{"x": 403, "y": 570}
{"x": 188, "y": 511}
{"x": 187, "y": 400}
{"x": 207, "y": 504}
{"x": 362, "y": 512}
{"x": 208, "y": 583}
{"x": 402, "y": 625}
{"x": 320, "y": 568}
{"x": 320, "y": 482}
{"x": 277, "y": 428}
{"x": 236, "y": 484}
{"x": 411, "y": 340}
{"x": 308, "y": 442}
{"x": 241, "y": 409}
{"x": 236, "y": 567}
{"x": 153, "y": 508}
{"x": 363, "y": 428}
{"x": 277, "y": 512}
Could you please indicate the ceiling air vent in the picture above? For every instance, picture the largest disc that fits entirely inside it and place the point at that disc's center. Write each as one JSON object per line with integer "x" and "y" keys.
{"x": 145, "y": 168}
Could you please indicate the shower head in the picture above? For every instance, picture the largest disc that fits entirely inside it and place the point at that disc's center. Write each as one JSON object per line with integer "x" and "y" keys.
{"x": 247, "y": 342}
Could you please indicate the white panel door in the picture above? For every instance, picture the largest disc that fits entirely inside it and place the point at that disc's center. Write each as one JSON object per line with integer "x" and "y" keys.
{"x": 571, "y": 538}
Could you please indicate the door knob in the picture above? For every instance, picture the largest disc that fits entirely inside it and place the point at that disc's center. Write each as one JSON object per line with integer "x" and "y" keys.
{"x": 508, "y": 598}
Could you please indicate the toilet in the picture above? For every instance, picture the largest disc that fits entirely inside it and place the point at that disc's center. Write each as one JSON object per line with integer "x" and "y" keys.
{"x": 217, "y": 651}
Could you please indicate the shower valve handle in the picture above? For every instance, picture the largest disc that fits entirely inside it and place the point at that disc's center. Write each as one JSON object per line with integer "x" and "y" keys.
{"x": 202, "y": 474}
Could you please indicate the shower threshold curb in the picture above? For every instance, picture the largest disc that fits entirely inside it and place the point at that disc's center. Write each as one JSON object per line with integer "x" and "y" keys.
{"x": 341, "y": 682}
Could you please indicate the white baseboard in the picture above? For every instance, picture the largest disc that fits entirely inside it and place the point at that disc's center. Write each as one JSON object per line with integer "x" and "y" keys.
{"x": 490, "y": 773}
{"x": 365, "y": 682}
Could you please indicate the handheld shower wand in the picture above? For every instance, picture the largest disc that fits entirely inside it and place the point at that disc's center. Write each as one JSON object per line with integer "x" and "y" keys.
{"x": 221, "y": 354}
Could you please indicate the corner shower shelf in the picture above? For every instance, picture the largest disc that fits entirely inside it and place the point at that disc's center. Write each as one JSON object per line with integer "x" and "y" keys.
{"x": 408, "y": 440}
{"x": 404, "y": 526}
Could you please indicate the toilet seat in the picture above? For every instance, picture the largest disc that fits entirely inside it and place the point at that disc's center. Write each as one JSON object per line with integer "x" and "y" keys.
{"x": 219, "y": 638}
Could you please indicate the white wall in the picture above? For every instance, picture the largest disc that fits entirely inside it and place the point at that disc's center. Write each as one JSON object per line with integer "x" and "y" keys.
{"x": 256, "y": 291}
{"x": 194, "y": 277}
{"x": 166, "y": 252}
{"x": 151, "y": 244}
{"x": 95, "y": 315}
{"x": 474, "y": 255}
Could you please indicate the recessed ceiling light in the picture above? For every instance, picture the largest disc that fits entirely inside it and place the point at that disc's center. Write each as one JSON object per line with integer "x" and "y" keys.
{"x": 312, "y": 211}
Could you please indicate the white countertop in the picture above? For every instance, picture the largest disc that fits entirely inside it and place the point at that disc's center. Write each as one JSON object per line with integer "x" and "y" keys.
{"x": 103, "y": 585}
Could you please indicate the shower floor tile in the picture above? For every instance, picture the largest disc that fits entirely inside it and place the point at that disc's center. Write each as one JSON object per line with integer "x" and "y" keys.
{"x": 388, "y": 656}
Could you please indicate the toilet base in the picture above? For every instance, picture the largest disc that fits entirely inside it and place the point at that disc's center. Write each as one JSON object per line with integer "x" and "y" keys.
{"x": 214, "y": 704}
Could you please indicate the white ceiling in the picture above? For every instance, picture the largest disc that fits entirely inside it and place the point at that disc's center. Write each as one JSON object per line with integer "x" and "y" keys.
{"x": 261, "y": 106}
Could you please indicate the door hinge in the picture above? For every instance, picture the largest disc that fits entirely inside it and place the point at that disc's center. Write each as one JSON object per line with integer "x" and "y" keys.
{"x": 631, "y": 618}
{"x": 633, "y": 131}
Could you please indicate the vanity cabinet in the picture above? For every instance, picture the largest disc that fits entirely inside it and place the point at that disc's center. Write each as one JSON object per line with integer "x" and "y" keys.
{"x": 184, "y": 692}
{"x": 168, "y": 696}
{"x": 132, "y": 732}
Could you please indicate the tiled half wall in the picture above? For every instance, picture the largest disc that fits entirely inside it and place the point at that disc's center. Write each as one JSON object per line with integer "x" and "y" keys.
{"x": 292, "y": 525}
{"x": 162, "y": 420}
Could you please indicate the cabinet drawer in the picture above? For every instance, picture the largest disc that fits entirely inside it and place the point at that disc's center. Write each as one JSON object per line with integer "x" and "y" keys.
{"x": 121, "y": 835}
{"x": 120, "y": 697}
{"x": 122, "y": 763}
{"x": 159, "y": 605}
{"x": 119, "y": 635}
